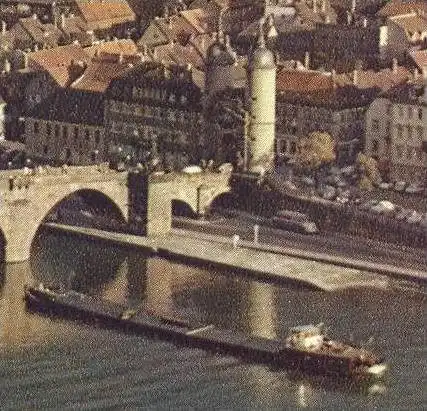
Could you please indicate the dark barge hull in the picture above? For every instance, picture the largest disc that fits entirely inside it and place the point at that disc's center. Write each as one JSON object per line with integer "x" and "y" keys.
{"x": 248, "y": 347}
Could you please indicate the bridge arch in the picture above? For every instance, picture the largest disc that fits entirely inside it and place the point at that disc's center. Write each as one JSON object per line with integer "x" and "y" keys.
{"x": 27, "y": 205}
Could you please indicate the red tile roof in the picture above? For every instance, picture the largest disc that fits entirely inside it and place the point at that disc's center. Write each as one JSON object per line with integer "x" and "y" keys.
{"x": 100, "y": 14}
{"x": 302, "y": 81}
{"x": 99, "y": 73}
{"x": 420, "y": 58}
{"x": 125, "y": 46}
{"x": 383, "y": 80}
{"x": 401, "y": 7}
{"x": 57, "y": 61}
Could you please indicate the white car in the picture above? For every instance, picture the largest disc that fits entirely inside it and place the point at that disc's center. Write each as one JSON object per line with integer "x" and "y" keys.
{"x": 192, "y": 170}
{"x": 383, "y": 206}
{"x": 414, "y": 189}
{"x": 400, "y": 185}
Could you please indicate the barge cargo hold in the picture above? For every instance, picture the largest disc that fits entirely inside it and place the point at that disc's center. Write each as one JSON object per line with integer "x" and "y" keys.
{"x": 306, "y": 348}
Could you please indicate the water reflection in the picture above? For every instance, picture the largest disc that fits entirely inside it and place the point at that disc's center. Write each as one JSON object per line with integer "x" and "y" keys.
{"x": 73, "y": 262}
{"x": 128, "y": 276}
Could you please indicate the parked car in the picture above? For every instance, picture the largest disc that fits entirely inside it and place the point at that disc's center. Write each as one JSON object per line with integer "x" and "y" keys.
{"x": 385, "y": 186}
{"x": 414, "y": 189}
{"x": 192, "y": 170}
{"x": 400, "y": 186}
{"x": 294, "y": 221}
{"x": 383, "y": 207}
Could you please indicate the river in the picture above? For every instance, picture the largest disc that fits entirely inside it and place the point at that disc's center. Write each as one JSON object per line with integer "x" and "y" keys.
{"x": 60, "y": 364}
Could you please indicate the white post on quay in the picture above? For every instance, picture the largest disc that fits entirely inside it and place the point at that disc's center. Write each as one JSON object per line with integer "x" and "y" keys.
{"x": 256, "y": 233}
{"x": 236, "y": 239}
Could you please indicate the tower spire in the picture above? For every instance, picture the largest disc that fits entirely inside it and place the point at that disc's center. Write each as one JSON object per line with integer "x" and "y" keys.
{"x": 219, "y": 29}
{"x": 261, "y": 38}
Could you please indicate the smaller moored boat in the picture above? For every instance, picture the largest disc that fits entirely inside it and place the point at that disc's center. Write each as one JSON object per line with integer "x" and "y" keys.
{"x": 306, "y": 348}
{"x": 317, "y": 350}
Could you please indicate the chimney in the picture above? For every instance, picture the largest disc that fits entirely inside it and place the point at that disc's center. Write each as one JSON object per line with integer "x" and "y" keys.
{"x": 307, "y": 60}
{"x": 7, "y": 66}
{"x": 227, "y": 42}
{"x": 97, "y": 53}
{"x": 416, "y": 73}
{"x": 365, "y": 22}
{"x": 3, "y": 27}
{"x": 36, "y": 47}
{"x": 35, "y": 16}
{"x": 121, "y": 57}
{"x": 62, "y": 21}
{"x": 323, "y": 6}
{"x": 394, "y": 65}
{"x": 353, "y": 6}
{"x": 349, "y": 18}
{"x": 425, "y": 83}
{"x": 355, "y": 77}
{"x": 25, "y": 60}
{"x": 334, "y": 78}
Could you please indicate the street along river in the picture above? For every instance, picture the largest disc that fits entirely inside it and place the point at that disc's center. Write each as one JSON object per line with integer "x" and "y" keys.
{"x": 59, "y": 364}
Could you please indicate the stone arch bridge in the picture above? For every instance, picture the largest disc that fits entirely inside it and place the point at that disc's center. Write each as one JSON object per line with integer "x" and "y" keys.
{"x": 27, "y": 197}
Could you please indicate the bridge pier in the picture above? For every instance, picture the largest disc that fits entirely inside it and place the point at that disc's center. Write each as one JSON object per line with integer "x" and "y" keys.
{"x": 145, "y": 201}
{"x": 17, "y": 248}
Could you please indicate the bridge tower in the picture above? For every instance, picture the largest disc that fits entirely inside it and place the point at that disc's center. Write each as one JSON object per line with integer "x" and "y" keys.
{"x": 262, "y": 88}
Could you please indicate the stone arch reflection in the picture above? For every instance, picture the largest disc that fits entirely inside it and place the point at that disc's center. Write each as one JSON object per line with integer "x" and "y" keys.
{"x": 74, "y": 262}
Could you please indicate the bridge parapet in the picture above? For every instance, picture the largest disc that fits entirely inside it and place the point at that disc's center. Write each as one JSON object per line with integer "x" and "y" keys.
{"x": 27, "y": 196}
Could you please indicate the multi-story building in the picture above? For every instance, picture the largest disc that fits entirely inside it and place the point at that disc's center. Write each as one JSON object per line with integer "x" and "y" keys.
{"x": 396, "y": 133}
{"x": 303, "y": 30}
{"x": 154, "y": 112}
{"x": 310, "y": 101}
{"x": 68, "y": 128}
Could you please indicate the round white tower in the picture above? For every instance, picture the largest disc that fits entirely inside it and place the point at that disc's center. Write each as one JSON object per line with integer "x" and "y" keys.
{"x": 262, "y": 88}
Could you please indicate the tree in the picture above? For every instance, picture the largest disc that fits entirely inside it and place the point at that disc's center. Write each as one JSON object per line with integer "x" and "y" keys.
{"x": 315, "y": 151}
{"x": 368, "y": 171}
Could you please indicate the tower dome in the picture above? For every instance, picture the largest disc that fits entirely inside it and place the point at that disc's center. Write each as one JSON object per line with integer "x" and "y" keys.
{"x": 262, "y": 57}
{"x": 220, "y": 63}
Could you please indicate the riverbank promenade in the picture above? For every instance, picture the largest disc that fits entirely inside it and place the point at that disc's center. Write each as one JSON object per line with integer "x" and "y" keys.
{"x": 261, "y": 261}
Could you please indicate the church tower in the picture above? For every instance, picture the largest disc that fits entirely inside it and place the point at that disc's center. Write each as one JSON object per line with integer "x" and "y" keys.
{"x": 262, "y": 89}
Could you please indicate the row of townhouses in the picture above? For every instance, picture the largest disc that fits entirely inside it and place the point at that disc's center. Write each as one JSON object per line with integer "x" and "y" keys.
{"x": 178, "y": 92}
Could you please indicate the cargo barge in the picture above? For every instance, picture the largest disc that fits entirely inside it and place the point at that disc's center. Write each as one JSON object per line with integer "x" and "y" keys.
{"x": 306, "y": 348}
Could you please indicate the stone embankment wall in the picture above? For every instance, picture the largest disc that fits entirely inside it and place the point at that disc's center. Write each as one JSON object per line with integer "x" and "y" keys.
{"x": 330, "y": 216}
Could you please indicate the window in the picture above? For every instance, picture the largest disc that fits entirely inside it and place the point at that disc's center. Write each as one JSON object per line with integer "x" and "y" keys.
{"x": 375, "y": 146}
{"x": 64, "y": 132}
{"x": 45, "y": 149}
{"x": 420, "y": 113}
{"x": 48, "y": 129}
{"x": 283, "y": 146}
{"x": 97, "y": 137}
{"x": 399, "y": 131}
{"x": 293, "y": 147}
{"x": 36, "y": 127}
{"x": 76, "y": 133}
{"x": 375, "y": 125}
{"x": 56, "y": 130}
{"x": 87, "y": 134}
{"x": 67, "y": 153}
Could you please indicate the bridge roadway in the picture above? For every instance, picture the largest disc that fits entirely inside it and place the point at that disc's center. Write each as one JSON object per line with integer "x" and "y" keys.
{"x": 145, "y": 202}
{"x": 263, "y": 262}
